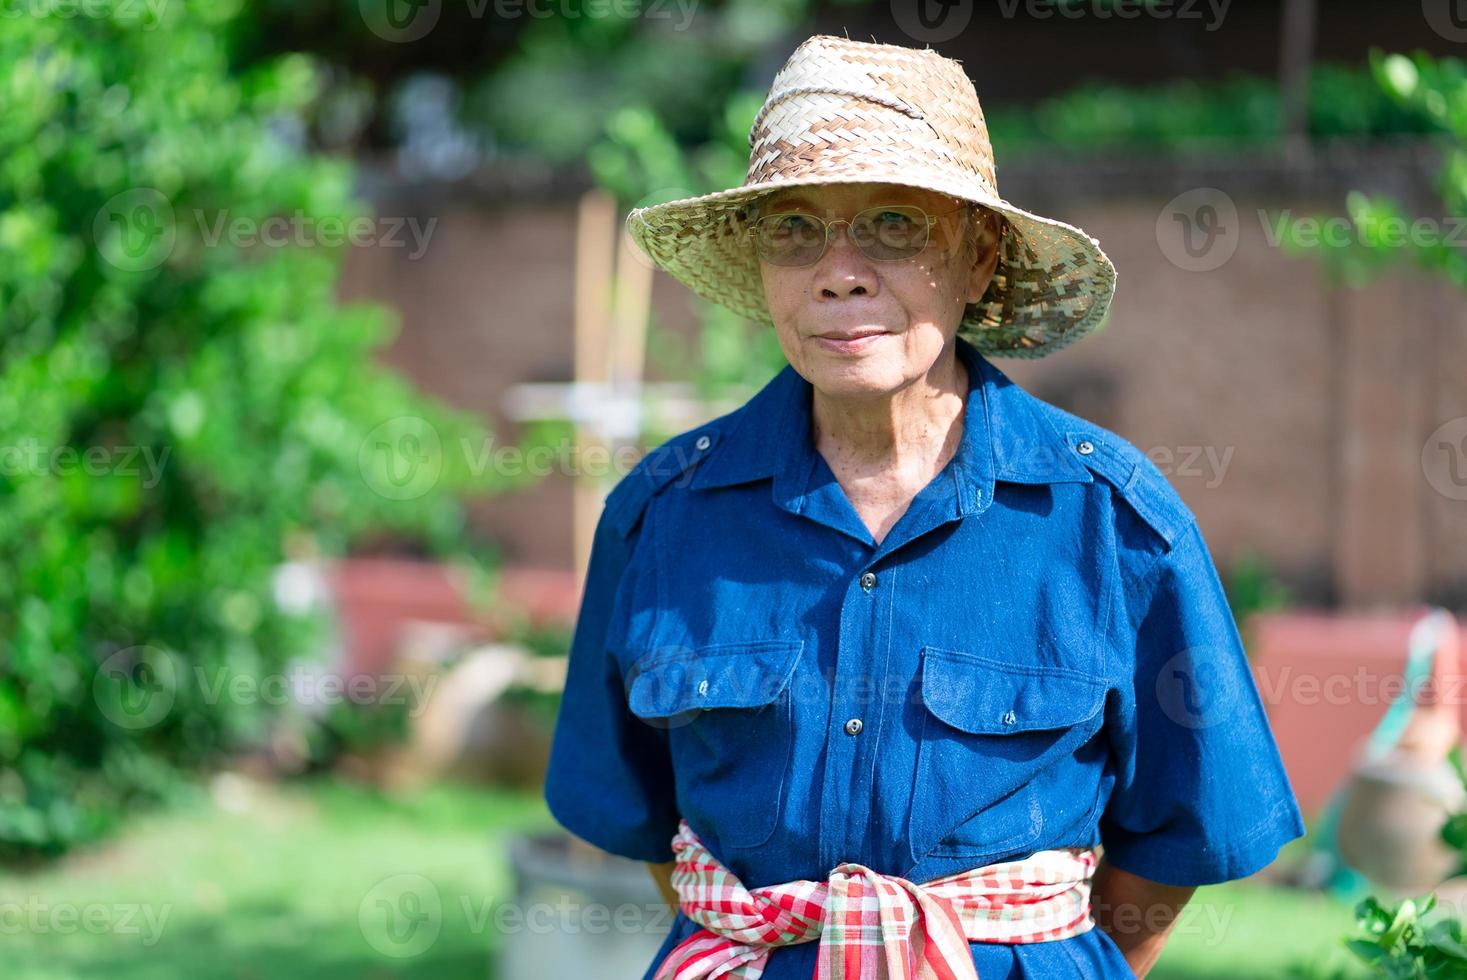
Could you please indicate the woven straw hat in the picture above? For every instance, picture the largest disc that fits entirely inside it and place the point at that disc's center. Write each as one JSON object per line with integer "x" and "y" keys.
{"x": 843, "y": 111}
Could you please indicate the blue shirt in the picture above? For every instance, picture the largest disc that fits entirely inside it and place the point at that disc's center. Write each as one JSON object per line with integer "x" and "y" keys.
{"x": 1039, "y": 654}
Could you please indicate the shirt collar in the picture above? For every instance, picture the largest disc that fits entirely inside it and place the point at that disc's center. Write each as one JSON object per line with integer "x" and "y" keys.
{"x": 1008, "y": 435}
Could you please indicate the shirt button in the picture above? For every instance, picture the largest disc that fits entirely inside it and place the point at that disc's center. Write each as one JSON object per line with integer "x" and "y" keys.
{"x": 853, "y": 727}
{"x": 868, "y": 581}
{"x": 1084, "y": 447}
{"x": 1009, "y": 717}
{"x": 703, "y": 442}
{"x": 703, "y": 686}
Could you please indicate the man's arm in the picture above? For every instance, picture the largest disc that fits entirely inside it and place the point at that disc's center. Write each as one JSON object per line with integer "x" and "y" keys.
{"x": 1135, "y": 912}
{"x": 662, "y": 875}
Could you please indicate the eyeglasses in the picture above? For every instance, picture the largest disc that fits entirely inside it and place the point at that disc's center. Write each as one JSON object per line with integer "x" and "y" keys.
{"x": 886, "y": 234}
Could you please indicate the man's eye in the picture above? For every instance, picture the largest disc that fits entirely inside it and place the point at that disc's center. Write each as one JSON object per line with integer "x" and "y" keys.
{"x": 794, "y": 224}
{"x": 894, "y": 219}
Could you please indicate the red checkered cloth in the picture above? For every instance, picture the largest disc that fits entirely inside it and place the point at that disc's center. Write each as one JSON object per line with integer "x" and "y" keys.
{"x": 873, "y": 926}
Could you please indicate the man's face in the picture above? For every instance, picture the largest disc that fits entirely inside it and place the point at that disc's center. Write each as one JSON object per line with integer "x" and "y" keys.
{"x": 851, "y": 324}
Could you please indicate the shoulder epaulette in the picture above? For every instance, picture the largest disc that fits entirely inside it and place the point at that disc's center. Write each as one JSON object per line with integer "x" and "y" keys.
{"x": 1144, "y": 487}
{"x": 655, "y": 471}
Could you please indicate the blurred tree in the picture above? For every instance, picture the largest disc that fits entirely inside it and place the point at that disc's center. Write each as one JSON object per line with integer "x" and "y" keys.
{"x": 1242, "y": 112}
{"x": 542, "y": 80}
{"x": 1381, "y": 231}
{"x": 518, "y": 77}
{"x": 183, "y": 404}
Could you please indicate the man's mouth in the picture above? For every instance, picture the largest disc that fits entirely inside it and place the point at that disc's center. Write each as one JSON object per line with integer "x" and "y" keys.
{"x": 849, "y": 334}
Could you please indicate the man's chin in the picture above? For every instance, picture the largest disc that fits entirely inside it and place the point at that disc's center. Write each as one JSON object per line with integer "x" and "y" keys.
{"x": 848, "y": 376}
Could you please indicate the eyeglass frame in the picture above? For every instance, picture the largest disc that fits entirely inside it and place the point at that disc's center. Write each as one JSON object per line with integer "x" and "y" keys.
{"x": 931, "y": 220}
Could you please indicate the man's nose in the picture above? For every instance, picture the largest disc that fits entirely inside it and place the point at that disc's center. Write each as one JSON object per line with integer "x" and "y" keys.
{"x": 847, "y": 272}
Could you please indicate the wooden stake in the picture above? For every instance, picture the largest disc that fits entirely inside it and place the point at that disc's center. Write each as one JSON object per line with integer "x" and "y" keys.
{"x": 595, "y": 226}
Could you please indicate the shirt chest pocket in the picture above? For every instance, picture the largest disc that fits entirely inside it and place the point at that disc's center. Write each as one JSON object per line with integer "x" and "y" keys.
{"x": 729, "y": 715}
{"x": 991, "y": 732}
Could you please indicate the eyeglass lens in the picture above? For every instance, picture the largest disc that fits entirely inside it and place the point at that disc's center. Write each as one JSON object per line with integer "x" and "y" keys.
{"x": 881, "y": 233}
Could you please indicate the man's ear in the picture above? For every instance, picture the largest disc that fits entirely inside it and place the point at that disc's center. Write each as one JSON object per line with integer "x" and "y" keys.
{"x": 989, "y": 235}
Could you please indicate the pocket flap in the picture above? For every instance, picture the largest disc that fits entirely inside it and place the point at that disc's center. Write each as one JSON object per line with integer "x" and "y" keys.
{"x": 985, "y": 696}
{"x": 722, "y": 675}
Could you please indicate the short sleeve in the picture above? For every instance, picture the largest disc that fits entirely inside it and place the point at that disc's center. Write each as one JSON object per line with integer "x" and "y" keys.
{"x": 610, "y": 779}
{"x": 1201, "y": 795}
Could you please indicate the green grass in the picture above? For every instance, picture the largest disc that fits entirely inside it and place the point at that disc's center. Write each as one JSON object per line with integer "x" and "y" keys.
{"x": 1250, "y": 930}
{"x": 280, "y": 885}
{"x": 1241, "y": 931}
{"x": 273, "y": 890}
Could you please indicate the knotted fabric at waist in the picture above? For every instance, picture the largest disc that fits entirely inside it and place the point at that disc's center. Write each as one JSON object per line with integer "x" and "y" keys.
{"x": 873, "y": 926}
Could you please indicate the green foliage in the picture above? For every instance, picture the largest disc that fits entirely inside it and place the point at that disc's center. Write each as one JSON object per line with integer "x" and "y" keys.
{"x": 1454, "y": 830}
{"x": 544, "y": 84}
{"x": 1239, "y": 111}
{"x": 1235, "y": 113}
{"x": 555, "y": 92}
{"x": 569, "y": 74}
{"x": 548, "y": 639}
{"x": 1402, "y": 943}
{"x": 1252, "y": 587}
{"x": 641, "y": 163}
{"x": 590, "y": 69}
{"x": 177, "y": 413}
{"x": 348, "y": 726}
{"x": 1377, "y": 233}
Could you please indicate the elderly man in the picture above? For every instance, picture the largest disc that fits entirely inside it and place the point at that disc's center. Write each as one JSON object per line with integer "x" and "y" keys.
{"x": 897, "y": 671}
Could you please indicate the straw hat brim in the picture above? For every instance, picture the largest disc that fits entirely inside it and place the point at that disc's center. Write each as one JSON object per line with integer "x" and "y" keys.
{"x": 1053, "y": 283}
